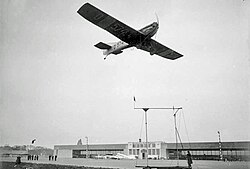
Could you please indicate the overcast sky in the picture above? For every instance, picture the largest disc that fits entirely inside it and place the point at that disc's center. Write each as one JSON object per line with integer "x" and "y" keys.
{"x": 56, "y": 87}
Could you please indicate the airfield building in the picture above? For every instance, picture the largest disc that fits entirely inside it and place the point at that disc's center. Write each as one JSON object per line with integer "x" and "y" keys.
{"x": 159, "y": 150}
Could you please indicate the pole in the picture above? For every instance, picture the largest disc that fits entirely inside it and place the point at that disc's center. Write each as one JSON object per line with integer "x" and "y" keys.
{"x": 176, "y": 142}
{"x": 221, "y": 157}
{"x": 176, "y": 136}
{"x": 146, "y": 126}
{"x": 87, "y": 153}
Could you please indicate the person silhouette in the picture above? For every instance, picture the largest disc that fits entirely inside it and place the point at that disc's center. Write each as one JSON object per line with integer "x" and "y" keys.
{"x": 189, "y": 160}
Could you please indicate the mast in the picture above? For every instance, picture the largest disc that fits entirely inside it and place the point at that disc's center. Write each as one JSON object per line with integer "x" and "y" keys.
{"x": 146, "y": 123}
{"x": 176, "y": 135}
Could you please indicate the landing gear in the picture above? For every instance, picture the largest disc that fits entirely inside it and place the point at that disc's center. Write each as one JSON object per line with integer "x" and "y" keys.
{"x": 146, "y": 46}
{"x": 152, "y": 51}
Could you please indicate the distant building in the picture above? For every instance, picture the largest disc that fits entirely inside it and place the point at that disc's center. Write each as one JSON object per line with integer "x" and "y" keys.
{"x": 80, "y": 151}
{"x": 8, "y": 151}
{"x": 231, "y": 151}
{"x": 14, "y": 151}
{"x": 159, "y": 150}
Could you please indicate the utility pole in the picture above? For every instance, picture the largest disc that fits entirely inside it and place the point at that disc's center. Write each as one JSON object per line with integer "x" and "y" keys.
{"x": 221, "y": 157}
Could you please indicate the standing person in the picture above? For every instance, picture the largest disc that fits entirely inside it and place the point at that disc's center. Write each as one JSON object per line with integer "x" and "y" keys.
{"x": 55, "y": 157}
{"x": 189, "y": 160}
{"x": 18, "y": 161}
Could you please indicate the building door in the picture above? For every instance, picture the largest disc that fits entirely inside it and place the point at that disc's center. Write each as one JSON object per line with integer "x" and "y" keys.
{"x": 143, "y": 155}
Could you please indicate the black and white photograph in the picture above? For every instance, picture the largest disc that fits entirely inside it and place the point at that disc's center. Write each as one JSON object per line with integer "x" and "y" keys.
{"x": 125, "y": 84}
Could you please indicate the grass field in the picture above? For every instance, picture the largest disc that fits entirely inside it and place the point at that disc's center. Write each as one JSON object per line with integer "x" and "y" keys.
{"x": 70, "y": 163}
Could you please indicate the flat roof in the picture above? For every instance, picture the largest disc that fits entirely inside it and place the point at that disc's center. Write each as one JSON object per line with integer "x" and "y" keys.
{"x": 188, "y": 146}
{"x": 92, "y": 146}
{"x": 211, "y": 145}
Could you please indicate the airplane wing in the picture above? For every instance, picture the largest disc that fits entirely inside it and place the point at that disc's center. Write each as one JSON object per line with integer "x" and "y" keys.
{"x": 110, "y": 24}
{"x": 155, "y": 47}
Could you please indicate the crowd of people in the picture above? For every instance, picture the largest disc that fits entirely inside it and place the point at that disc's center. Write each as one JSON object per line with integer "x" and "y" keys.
{"x": 52, "y": 158}
{"x": 33, "y": 157}
{"x": 36, "y": 157}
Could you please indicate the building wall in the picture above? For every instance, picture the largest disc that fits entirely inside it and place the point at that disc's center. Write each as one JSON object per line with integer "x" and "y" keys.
{"x": 64, "y": 153}
{"x": 83, "y": 151}
{"x": 155, "y": 149}
{"x": 12, "y": 153}
{"x": 201, "y": 150}
{"x": 231, "y": 151}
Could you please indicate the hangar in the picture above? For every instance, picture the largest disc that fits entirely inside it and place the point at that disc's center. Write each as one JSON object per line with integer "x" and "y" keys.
{"x": 160, "y": 150}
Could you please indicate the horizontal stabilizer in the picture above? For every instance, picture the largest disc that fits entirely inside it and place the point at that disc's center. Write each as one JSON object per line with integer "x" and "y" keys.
{"x": 102, "y": 45}
{"x": 117, "y": 52}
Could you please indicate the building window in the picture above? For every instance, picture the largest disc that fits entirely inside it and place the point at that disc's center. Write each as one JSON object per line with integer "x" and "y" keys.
{"x": 223, "y": 152}
{"x": 209, "y": 152}
{"x": 193, "y": 153}
{"x": 130, "y": 151}
{"x": 153, "y": 145}
{"x": 241, "y": 153}
{"x": 153, "y": 151}
{"x": 158, "y": 151}
{"x": 234, "y": 152}
{"x": 205, "y": 153}
{"x": 149, "y": 152}
{"x": 199, "y": 152}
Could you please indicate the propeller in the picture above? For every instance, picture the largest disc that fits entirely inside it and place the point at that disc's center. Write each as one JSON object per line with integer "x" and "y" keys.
{"x": 157, "y": 19}
{"x": 158, "y": 22}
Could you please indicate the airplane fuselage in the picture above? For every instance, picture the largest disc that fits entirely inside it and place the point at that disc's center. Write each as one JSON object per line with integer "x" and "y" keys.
{"x": 150, "y": 30}
{"x": 117, "y": 47}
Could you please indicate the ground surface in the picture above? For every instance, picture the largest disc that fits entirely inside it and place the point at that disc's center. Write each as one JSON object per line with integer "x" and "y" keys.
{"x": 70, "y": 163}
{"x": 11, "y": 165}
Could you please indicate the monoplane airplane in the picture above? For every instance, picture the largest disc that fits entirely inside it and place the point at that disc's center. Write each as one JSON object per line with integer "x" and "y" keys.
{"x": 129, "y": 37}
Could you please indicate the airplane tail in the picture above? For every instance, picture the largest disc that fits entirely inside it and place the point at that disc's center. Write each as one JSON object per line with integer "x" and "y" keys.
{"x": 102, "y": 46}
{"x": 105, "y": 47}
